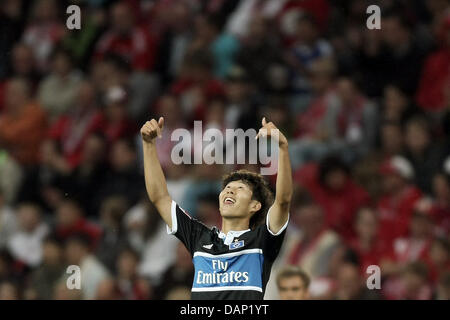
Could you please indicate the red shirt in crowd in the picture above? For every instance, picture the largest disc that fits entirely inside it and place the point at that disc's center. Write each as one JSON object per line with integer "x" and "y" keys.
{"x": 72, "y": 131}
{"x": 339, "y": 206}
{"x": 367, "y": 256}
{"x": 199, "y": 93}
{"x": 81, "y": 226}
{"x": 395, "y": 213}
{"x": 309, "y": 122}
{"x": 138, "y": 47}
{"x": 319, "y": 9}
{"x": 435, "y": 78}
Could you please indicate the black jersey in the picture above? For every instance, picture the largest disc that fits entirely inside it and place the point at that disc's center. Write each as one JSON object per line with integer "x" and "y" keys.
{"x": 235, "y": 268}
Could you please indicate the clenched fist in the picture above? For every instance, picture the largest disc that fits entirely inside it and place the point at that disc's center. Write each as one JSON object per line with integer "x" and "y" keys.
{"x": 152, "y": 129}
{"x": 268, "y": 129}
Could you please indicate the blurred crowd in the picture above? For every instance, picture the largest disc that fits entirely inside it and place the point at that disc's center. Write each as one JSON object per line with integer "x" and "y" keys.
{"x": 366, "y": 113}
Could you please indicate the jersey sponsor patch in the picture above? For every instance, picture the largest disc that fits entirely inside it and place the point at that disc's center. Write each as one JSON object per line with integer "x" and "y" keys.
{"x": 240, "y": 270}
{"x": 236, "y": 244}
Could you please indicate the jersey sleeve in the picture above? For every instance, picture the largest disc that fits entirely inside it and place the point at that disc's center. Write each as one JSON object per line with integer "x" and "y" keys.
{"x": 185, "y": 228}
{"x": 271, "y": 242}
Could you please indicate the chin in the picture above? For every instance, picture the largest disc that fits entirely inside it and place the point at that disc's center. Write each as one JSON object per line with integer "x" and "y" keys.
{"x": 228, "y": 212}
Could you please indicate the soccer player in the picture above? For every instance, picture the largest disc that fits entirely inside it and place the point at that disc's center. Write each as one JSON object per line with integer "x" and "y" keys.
{"x": 235, "y": 262}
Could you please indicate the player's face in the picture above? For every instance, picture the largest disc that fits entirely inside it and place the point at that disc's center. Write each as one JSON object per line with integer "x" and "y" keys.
{"x": 292, "y": 288}
{"x": 235, "y": 200}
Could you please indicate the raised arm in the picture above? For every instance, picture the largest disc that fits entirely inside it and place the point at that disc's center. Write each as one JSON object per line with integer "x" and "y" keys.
{"x": 279, "y": 212}
{"x": 155, "y": 182}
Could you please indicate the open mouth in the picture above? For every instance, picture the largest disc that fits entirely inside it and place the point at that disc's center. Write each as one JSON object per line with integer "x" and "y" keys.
{"x": 229, "y": 200}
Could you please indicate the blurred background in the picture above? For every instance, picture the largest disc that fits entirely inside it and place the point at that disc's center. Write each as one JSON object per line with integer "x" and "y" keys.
{"x": 366, "y": 112}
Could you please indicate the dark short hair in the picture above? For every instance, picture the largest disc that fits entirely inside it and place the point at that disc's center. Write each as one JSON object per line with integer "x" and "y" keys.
{"x": 293, "y": 271}
{"x": 330, "y": 164}
{"x": 79, "y": 238}
{"x": 260, "y": 189}
{"x": 309, "y": 18}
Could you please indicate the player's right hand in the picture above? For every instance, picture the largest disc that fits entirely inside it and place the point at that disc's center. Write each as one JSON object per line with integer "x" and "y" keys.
{"x": 152, "y": 129}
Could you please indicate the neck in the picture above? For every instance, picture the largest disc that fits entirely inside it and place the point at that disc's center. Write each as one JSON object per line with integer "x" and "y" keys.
{"x": 234, "y": 225}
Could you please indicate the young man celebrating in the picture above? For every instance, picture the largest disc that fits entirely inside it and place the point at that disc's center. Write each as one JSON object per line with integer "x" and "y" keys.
{"x": 233, "y": 263}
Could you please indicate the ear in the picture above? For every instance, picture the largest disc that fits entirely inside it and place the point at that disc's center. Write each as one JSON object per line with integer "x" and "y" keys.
{"x": 255, "y": 206}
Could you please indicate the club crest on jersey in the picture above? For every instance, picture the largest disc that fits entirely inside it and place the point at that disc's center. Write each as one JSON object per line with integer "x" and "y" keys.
{"x": 236, "y": 244}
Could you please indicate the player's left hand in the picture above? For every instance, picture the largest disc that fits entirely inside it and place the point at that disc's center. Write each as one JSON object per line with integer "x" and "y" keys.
{"x": 268, "y": 129}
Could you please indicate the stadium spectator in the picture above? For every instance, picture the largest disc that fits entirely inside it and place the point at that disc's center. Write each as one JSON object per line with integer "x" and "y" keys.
{"x": 23, "y": 63}
{"x": 130, "y": 285}
{"x": 147, "y": 236}
{"x": 222, "y": 46}
{"x": 436, "y": 74}
{"x": 367, "y": 244}
{"x": 90, "y": 173}
{"x": 439, "y": 259}
{"x": 415, "y": 247}
{"x": 57, "y": 91}
{"x": 311, "y": 248}
{"x": 179, "y": 274}
{"x": 397, "y": 105}
{"x": 410, "y": 285}
{"x": 350, "y": 285}
{"x": 293, "y": 284}
{"x": 350, "y": 120}
{"x": 11, "y": 28}
{"x": 424, "y": 154}
{"x": 196, "y": 84}
{"x": 123, "y": 178}
{"x": 77, "y": 252}
{"x": 22, "y": 116}
{"x": 127, "y": 39}
{"x": 72, "y": 129}
{"x": 259, "y": 52}
{"x": 140, "y": 87}
{"x": 241, "y": 109}
{"x": 46, "y": 182}
{"x": 331, "y": 185}
{"x": 25, "y": 245}
{"x": 306, "y": 48}
{"x": 9, "y": 290}
{"x": 113, "y": 238}
{"x": 43, "y": 31}
{"x": 8, "y": 222}
{"x": 70, "y": 221}
{"x": 174, "y": 41}
{"x": 440, "y": 207}
{"x": 46, "y": 276}
{"x": 403, "y": 51}
{"x": 11, "y": 177}
{"x": 311, "y": 135}
{"x": 399, "y": 197}
{"x": 107, "y": 290}
{"x": 117, "y": 124}
{"x": 62, "y": 292}
{"x": 443, "y": 288}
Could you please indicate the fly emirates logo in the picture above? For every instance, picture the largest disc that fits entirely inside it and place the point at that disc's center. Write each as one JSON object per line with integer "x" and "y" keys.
{"x": 220, "y": 275}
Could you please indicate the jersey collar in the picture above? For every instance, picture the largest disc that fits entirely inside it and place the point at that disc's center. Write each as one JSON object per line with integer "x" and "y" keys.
{"x": 228, "y": 238}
